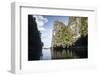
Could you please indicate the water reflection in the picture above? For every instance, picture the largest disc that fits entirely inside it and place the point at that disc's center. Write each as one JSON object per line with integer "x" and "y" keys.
{"x": 46, "y": 54}
{"x": 69, "y": 53}
{"x": 74, "y": 53}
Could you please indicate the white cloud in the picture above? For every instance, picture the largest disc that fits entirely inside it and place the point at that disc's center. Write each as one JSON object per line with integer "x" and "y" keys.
{"x": 47, "y": 38}
{"x": 41, "y": 21}
{"x": 46, "y": 35}
{"x": 41, "y": 28}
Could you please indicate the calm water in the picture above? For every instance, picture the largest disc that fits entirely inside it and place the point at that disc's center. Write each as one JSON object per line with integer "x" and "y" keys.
{"x": 49, "y": 54}
{"x": 46, "y": 54}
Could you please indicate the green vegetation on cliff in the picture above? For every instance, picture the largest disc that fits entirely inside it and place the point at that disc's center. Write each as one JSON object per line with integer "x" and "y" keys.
{"x": 84, "y": 26}
{"x": 66, "y": 35}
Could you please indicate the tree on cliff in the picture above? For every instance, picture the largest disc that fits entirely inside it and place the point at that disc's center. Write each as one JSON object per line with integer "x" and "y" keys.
{"x": 66, "y": 36}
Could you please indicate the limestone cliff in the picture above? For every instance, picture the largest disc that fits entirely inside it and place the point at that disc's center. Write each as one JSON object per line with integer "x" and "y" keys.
{"x": 66, "y": 35}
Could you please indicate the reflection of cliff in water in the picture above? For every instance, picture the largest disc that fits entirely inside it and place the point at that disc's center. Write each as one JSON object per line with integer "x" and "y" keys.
{"x": 60, "y": 53}
{"x": 71, "y": 53}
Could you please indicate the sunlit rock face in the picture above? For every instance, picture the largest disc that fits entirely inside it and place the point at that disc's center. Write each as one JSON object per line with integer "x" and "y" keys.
{"x": 57, "y": 32}
{"x": 66, "y": 35}
{"x": 74, "y": 23}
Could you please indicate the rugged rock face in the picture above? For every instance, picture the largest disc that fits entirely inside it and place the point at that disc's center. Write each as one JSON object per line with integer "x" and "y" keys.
{"x": 34, "y": 40}
{"x": 66, "y": 36}
{"x": 57, "y": 33}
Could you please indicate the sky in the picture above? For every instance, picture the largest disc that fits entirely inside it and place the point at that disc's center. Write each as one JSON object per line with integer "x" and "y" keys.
{"x": 45, "y": 26}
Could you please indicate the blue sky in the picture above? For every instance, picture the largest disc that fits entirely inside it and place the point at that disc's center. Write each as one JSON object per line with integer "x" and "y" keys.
{"x": 45, "y": 26}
